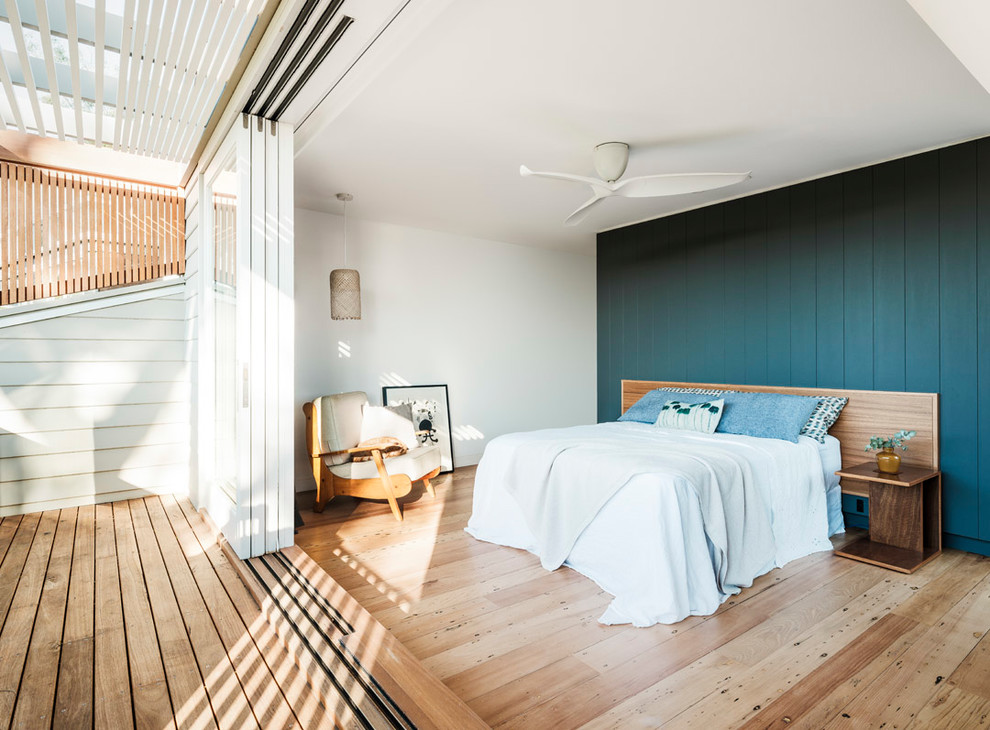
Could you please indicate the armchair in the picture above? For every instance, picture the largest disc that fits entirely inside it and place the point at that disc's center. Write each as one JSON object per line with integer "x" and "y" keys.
{"x": 333, "y": 431}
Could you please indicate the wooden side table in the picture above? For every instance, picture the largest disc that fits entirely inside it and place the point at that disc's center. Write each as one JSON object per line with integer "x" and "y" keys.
{"x": 905, "y": 517}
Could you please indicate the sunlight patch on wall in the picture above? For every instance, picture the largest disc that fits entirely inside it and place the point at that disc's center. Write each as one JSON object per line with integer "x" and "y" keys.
{"x": 392, "y": 379}
{"x": 467, "y": 433}
{"x": 343, "y": 349}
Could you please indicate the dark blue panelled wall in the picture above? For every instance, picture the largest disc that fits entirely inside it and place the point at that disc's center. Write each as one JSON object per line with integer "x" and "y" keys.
{"x": 873, "y": 279}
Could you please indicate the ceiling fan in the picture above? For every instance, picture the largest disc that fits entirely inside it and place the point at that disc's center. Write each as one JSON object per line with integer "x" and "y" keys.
{"x": 610, "y": 162}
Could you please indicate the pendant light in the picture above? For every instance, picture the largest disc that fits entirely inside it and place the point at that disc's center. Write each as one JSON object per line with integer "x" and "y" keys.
{"x": 345, "y": 284}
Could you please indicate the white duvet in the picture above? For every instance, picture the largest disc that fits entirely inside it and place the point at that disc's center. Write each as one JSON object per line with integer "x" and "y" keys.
{"x": 669, "y": 522}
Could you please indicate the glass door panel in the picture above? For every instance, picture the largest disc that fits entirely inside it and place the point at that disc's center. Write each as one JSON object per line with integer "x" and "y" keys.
{"x": 225, "y": 260}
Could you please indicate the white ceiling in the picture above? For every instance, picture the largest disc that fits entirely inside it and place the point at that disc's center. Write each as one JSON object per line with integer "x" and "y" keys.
{"x": 790, "y": 90}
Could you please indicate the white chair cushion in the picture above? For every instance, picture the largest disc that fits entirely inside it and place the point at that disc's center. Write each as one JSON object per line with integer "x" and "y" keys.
{"x": 415, "y": 464}
{"x": 340, "y": 423}
{"x": 397, "y": 422}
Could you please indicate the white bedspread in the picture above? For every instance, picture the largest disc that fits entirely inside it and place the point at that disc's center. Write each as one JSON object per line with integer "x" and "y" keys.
{"x": 670, "y": 522}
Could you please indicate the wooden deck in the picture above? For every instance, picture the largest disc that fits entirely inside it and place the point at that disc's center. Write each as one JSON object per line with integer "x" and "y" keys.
{"x": 822, "y": 642}
{"x": 130, "y": 615}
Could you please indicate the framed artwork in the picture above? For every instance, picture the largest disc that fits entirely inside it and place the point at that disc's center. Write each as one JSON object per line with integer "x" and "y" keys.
{"x": 431, "y": 413}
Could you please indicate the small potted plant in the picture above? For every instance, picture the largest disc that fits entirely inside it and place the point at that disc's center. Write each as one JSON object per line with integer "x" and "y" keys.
{"x": 888, "y": 461}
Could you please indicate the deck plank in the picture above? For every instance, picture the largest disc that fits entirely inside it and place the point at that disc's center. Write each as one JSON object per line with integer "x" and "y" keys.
{"x": 112, "y": 706}
{"x": 15, "y": 636}
{"x": 190, "y": 699}
{"x": 13, "y": 562}
{"x": 92, "y": 597}
{"x": 74, "y": 695}
{"x": 37, "y": 692}
{"x": 230, "y": 704}
{"x": 284, "y": 665}
{"x": 8, "y": 528}
{"x": 271, "y": 708}
{"x": 149, "y": 689}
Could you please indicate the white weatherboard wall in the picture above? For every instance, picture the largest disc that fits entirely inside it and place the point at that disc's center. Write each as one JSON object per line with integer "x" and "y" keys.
{"x": 509, "y": 329}
{"x": 94, "y": 405}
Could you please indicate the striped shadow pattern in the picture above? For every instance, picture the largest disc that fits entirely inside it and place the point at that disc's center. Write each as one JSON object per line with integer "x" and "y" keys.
{"x": 319, "y": 632}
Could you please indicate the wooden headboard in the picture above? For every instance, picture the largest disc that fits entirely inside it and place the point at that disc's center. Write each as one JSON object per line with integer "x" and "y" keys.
{"x": 868, "y": 413}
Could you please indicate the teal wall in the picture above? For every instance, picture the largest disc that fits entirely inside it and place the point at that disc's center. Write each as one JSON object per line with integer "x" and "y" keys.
{"x": 873, "y": 279}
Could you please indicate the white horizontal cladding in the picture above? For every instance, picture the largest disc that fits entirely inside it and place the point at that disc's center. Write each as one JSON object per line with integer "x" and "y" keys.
{"x": 13, "y": 315}
{"x": 45, "y": 467}
{"x": 94, "y": 402}
{"x": 93, "y": 328}
{"x": 91, "y": 488}
{"x": 140, "y": 349}
{"x": 91, "y": 417}
{"x": 57, "y": 443}
{"x": 44, "y": 397}
{"x": 88, "y": 373}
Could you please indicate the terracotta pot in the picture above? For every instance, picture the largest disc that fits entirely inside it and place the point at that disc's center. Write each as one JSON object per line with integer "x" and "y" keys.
{"x": 888, "y": 462}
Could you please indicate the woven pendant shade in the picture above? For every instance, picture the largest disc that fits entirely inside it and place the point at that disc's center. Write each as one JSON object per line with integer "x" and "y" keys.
{"x": 345, "y": 294}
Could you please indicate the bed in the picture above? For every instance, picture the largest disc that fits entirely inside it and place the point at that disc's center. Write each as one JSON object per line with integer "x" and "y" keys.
{"x": 672, "y": 522}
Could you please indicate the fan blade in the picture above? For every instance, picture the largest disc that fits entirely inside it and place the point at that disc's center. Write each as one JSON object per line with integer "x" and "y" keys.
{"x": 650, "y": 186}
{"x": 581, "y": 213}
{"x": 596, "y": 184}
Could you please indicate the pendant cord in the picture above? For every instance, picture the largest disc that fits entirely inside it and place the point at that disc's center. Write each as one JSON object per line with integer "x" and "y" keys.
{"x": 345, "y": 234}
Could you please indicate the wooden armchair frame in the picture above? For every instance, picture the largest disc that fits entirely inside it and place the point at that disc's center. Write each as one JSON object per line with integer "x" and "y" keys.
{"x": 387, "y": 486}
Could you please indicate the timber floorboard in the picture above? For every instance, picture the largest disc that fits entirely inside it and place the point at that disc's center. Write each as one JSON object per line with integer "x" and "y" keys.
{"x": 119, "y": 616}
{"x": 822, "y": 642}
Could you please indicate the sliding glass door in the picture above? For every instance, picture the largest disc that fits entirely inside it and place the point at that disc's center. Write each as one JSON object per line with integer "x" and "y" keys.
{"x": 245, "y": 389}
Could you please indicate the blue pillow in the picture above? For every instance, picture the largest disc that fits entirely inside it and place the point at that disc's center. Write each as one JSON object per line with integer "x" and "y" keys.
{"x": 647, "y": 408}
{"x": 766, "y": 415}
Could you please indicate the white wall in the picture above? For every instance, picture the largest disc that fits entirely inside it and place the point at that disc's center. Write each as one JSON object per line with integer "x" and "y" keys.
{"x": 509, "y": 329}
{"x": 94, "y": 405}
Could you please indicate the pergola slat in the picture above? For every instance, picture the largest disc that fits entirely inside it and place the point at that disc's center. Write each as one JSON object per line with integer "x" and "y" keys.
{"x": 14, "y": 18}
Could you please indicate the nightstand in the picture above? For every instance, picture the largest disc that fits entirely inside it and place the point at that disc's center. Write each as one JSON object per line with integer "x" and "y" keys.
{"x": 905, "y": 517}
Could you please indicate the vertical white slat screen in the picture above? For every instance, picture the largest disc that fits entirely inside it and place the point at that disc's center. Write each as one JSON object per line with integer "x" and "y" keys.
{"x": 14, "y": 16}
{"x": 175, "y": 59}
{"x": 123, "y": 71}
{"x": 8, "y": 90}
{"x": 73, "y": 36}
{"x": 46, "y": 43}
{"x": 99, "y": 46}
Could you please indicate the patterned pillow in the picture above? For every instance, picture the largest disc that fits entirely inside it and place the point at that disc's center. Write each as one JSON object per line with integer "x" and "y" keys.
{"x": 824, "y": 416}
{"x": 699, "y": 391}
{"x": 703, "y": 417}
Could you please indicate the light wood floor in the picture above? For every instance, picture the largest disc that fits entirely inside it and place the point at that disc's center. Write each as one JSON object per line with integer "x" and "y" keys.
{"x": 824, "y": 642}
{"x": 129, "y": 615}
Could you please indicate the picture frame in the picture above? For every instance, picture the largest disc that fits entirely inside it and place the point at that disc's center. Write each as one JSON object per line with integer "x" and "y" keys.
{"x": 431, "y": 413}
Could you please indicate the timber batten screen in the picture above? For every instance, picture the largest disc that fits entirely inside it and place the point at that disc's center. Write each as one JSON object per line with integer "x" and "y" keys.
{"x": 62, "y": 232}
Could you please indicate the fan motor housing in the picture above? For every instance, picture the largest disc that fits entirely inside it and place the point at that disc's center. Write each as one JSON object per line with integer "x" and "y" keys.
{"x": 611, "y": 159}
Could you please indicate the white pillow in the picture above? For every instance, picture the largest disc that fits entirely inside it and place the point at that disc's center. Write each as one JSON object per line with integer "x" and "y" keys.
{"x": 378, "y": 421}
